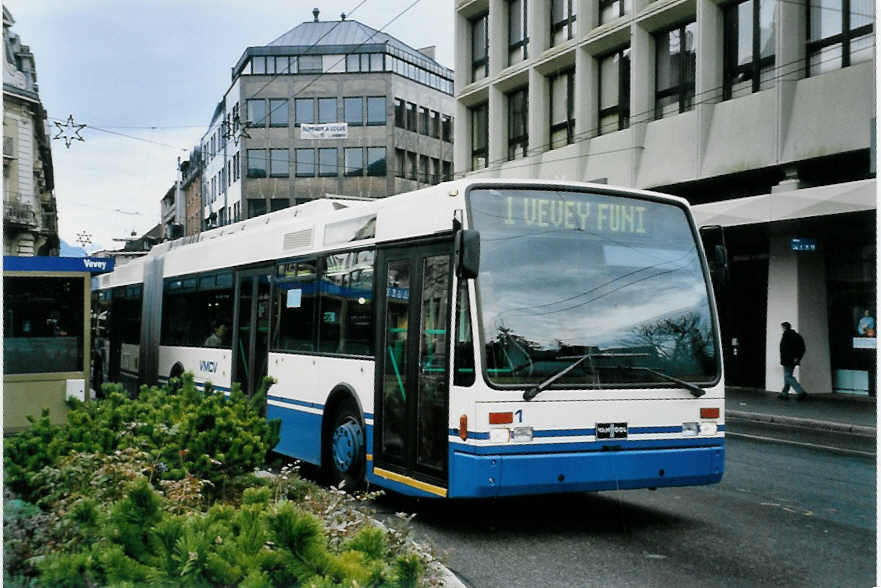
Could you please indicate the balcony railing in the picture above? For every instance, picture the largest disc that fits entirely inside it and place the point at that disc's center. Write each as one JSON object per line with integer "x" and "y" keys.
{"x": 19, "y": 213}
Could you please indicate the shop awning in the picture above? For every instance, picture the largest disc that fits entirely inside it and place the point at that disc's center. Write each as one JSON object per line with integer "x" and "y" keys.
{"x": 795, "y": 204}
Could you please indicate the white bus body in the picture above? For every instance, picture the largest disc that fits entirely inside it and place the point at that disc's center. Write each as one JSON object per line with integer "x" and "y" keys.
{"x": 429, "y": 398}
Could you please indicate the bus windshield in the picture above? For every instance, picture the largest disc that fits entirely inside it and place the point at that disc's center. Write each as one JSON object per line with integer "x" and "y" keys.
{"x": 568, "y": 274}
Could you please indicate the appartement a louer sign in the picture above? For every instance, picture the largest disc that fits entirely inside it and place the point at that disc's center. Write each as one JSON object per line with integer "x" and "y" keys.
{"x": 324, "y": 131}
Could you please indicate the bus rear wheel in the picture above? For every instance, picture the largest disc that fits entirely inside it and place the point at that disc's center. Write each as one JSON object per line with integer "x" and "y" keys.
{"x": 345, "y": 451}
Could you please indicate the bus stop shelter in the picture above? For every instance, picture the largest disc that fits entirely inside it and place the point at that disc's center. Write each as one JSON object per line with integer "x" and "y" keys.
{"x": 46, "y": 334}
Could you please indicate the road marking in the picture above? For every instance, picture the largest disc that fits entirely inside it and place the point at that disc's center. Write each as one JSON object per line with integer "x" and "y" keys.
{"x": 801, "y": 444}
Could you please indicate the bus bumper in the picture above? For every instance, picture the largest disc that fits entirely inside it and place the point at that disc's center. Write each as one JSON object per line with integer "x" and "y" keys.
{"x": 475, "y": 476}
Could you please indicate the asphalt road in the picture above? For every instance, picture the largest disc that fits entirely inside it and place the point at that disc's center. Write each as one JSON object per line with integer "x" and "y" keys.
{"x": 782, "y": 516}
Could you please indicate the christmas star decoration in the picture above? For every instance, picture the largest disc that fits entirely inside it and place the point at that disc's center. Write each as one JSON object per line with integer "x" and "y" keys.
{"x": 84, "y": 239}
{"x": 69, "y": 131}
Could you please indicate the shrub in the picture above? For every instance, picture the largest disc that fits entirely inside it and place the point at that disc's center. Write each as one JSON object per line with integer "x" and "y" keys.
{"x": 185, "y": 433}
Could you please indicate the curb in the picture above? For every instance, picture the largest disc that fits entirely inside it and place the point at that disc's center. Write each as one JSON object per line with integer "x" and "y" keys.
{"x": 829, "y": 426}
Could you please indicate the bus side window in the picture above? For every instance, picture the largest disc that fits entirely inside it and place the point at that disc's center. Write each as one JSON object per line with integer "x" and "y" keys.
{"x": 463, "y": 368}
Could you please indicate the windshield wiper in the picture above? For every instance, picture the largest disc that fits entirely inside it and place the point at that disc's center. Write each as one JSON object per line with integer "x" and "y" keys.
{"x": 696, "y": 391}
{"x": 537, "y": 389}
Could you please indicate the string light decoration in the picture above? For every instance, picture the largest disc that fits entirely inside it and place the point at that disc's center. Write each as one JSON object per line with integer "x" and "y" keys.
{"x": 69, "y": 131}
{"x": 84, "y": 239}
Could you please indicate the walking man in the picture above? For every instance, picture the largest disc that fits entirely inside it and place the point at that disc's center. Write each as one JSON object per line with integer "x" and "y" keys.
{"x": 792, "y": 349}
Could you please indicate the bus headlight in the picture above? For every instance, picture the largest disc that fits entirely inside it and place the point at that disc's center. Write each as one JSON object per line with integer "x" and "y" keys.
{"x": 499, "y": 435}
{"x": 522, "y": 434}
{"x": 709, "y": 429}
{"x": 690, "y": 429}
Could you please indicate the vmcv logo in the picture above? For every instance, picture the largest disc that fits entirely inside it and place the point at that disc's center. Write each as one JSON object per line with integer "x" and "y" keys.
{"x": 207, "y": 366}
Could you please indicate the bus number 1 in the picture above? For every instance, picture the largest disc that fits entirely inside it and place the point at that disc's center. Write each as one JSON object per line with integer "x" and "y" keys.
{"x": 519, "y": 414}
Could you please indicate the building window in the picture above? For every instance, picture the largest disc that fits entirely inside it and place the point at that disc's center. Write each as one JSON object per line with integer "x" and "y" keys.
{"x": 376, "y": 114}
{"x": 256, "y": 207}
{"x": 258, "y": 65}
{"x": 305, "y": 163}
{"x": 435, "y": 125}
{"x": 400, "y": 117}
{"x": 282, "y": 65}
{"x": 279, "y": 164}
{"x": 327, "y": 162}
{"x": 411, "y": 165}
{"x": 518, "y": 123}
{"x": 613, "y": 9}
{"x": 353, "y": 63}
{"x": 411, "y": 116}
{"x": 354, "y": 110}
{"x": 562, "y": 108}
{"x": 749, "y": 47}
{"x": 614, "y": 92}
{"x": 304, "y": 110}
{"x": 447, "y": 170}
{"x": 480, "y": 136}
{"x": 278, "y": 113}
{"x": 423, "y": 120}
{"x": 256, "y": 165}
{"x": 327, "y": 110}
{"x": 423, "y": 169}
{"x": 435, "y": 170}
{"x": 839, "y": 34}
{"x": 399, "y": 163}
{"x": 256, "y": 116}
{"x": 376, "y": 161}
{"x": 480, "y": 47}
{"x": 354, "y": 161}
{"x": 447, "y": 128}
{"x": 674, "y": 70}
{"x": 517, "y": 39}
{"x": 562, "y": 21}
{"x": 376, "y": 61}
{"x": 310, "y": 64}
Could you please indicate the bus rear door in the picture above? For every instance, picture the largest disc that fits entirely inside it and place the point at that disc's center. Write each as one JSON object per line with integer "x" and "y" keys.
{"x": 250, "y": 341}
{"x": 411, "y": 403}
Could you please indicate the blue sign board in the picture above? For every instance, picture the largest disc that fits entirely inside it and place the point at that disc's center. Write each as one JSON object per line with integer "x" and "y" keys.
{"x": 93, "y": 265}
{"x": 804, "y": 244}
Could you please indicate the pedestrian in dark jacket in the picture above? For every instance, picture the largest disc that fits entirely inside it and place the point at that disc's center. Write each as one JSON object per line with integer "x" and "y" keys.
{"x": 792, "y": 349}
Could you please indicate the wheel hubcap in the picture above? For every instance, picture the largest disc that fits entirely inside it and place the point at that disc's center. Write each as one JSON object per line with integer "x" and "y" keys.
{"x": 347, "y": 444}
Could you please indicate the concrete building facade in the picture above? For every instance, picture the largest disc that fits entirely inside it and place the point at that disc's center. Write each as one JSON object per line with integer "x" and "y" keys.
{"x": 30, "y": 217}
{"x": 759, "y": 112}
{"x": 378, "y": 118}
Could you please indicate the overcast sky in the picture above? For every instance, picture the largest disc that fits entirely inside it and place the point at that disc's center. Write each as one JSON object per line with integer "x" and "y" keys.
{"x": 156, "y": 70}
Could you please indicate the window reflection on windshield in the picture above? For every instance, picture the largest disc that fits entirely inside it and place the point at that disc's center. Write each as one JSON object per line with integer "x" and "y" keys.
{"x": 567, "y": 274}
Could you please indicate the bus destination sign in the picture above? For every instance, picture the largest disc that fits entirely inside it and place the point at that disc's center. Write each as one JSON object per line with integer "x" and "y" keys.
{"x": 577, "y": 215}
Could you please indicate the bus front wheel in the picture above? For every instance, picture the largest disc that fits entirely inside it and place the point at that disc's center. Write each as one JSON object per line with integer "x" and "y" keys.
{"x": 345, "y": 452}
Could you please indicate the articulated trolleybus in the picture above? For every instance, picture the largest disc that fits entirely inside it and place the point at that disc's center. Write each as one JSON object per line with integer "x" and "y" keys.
{"x": 473, "y": 339}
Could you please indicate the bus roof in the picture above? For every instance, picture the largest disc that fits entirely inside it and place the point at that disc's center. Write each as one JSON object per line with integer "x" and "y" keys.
{"x": 322, "y": 225}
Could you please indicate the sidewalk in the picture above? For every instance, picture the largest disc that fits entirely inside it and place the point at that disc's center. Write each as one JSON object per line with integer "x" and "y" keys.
{"x": 829, "y": 413}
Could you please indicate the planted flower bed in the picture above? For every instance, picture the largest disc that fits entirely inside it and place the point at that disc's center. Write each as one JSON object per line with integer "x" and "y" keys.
{"x": 162, "y": 490}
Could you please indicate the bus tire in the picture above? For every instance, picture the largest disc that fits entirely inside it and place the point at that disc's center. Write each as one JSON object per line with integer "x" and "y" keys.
{"x": 174, "y": 377}
{"x": 345, "y": 448}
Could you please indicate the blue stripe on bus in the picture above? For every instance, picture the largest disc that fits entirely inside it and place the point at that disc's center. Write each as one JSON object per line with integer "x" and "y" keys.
{"x": 475, "y": 476}
{"x": 164, "y": 380}
{"x": 316, "y": 405}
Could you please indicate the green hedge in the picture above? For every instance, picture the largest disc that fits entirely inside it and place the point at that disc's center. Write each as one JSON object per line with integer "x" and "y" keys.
{"x": 159, "y": 490}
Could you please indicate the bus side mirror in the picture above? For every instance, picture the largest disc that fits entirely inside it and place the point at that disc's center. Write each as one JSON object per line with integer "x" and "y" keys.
{"x": 467, "y": 243}
{"x": 713, "y": 238}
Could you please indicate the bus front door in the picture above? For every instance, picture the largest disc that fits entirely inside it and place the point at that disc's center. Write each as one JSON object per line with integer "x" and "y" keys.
{"x": 250, "y": 340}
{"x": 412, "y": 383}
